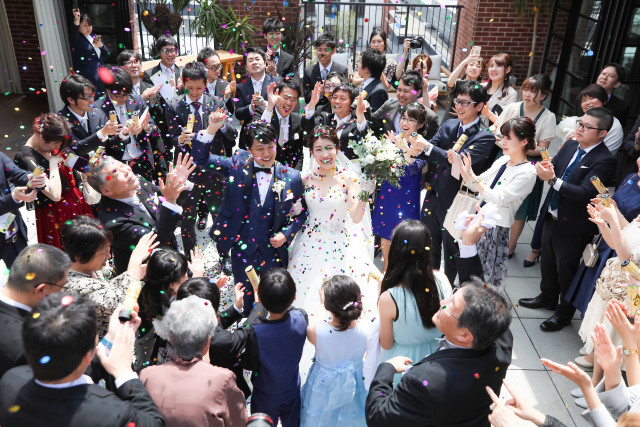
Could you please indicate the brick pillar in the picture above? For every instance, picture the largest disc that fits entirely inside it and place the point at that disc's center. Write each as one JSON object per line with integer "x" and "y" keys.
{"x": 496, "y": 26}
{"x": 24, "y": 33}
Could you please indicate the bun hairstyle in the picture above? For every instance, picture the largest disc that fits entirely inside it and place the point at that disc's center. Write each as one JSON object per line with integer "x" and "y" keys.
{"x": 323, "y": 131}
{"x": 343, "y": 299}
{"x": 523, "y": 128}
{"x": 53, "y": 127}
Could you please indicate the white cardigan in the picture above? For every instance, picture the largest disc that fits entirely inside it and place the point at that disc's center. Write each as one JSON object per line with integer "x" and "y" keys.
{"x": 512, "y": 188}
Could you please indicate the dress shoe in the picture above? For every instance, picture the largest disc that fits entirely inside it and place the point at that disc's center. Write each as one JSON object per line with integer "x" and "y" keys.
{"x": 583, "y": 363}
{"x": 537, "y": 302}
{"x": 582, "y": 402}
{"x": 555, "y": 323}
{"x": 202, "y": 224}
{"x": 526, "y": 263}
{"x": 577, "y": 393}
{"x": 583, "y": 351}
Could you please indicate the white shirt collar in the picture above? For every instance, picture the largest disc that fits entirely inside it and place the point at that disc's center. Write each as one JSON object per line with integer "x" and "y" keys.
{"x": 188, "y": 100}
{"x": 340, "y": 122}
{"x": 366, "y": 82}
{"x": 586, "y": 150}
{"x": 275, "y": 51}
{"x": 80, "y": 118}
{"x": 84, "y": 379}
{"x": 164, "y": 68}
{"x": 281, "y": 117}
{"x": 5, "y": 299}
{"x": 261, "y": 81}
{"x": 467, "y": 126}
{"x": 327, "y": 68}
{"x": 136, "y": 88}
{"x": 256, "y": 165}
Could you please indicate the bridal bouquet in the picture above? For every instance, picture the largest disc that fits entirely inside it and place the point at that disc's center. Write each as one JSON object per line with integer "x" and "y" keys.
{"x": 379, "y": 159}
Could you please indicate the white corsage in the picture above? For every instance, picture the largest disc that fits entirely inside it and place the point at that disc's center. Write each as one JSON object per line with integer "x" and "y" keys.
{"x": 296, "y": 136}
{"x": 278, "y": 187}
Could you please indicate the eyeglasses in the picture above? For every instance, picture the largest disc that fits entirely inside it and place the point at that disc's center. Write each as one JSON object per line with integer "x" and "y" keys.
{"x": 587, "y": 127}
{"x": 132, "y": 62}
{"x": 51, "y": 284}
{"x": 445, "y": 307}
{"x": 87, "y": 97}
{"x": 464, "y": 103}
{"x": 408, "y": 120}
{"x": 169, "y": 50}
{"x": 217, "y": 67}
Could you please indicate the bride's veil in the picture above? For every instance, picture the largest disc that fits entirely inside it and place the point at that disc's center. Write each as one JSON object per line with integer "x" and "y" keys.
{"x": 364, "y": 226}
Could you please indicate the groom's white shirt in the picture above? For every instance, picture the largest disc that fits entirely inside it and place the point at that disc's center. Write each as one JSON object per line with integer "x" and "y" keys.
{"x": 263, "y": 179}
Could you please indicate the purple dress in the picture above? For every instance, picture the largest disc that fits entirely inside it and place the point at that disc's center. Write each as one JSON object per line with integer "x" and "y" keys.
{"x": 394, "y": 205}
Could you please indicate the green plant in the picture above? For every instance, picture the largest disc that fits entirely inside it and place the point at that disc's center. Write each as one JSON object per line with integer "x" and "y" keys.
{"x": 296, "y": 38}
{"x": 223, "y": 25}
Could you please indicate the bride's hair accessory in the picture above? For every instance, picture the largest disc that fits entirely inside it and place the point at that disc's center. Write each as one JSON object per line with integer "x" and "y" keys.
{"x": 350, "y": 304}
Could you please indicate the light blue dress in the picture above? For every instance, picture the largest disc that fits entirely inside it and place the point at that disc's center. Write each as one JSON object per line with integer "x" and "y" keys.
{"x": 334, "y": 393}
{"x": 410, "y": 337}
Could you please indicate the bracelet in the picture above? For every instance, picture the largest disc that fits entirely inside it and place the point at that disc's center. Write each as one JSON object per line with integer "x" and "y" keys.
{"x": 628, "y": 352}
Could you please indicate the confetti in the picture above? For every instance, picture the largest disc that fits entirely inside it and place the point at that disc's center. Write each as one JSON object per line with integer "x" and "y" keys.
{"x": 45, "y": 359}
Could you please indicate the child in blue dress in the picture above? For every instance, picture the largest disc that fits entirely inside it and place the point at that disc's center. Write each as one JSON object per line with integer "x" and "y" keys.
{"x": 334, "y": 394}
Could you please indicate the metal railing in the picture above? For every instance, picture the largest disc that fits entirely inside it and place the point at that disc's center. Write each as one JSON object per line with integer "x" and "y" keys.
{"x": 352, "y": 22}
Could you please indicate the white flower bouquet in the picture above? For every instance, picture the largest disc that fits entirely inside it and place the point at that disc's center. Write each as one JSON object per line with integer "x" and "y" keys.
{"x": 380, "y": 159}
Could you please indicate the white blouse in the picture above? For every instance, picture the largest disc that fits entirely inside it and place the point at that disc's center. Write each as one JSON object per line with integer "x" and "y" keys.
{"x": 512, "y": 188}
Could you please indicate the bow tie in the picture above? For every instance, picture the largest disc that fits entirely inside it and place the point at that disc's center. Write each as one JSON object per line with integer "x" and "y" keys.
{"x": 265, "y": 170}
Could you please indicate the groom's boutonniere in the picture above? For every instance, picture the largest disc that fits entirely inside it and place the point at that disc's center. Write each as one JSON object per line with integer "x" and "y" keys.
{"x": 278, "y": 187}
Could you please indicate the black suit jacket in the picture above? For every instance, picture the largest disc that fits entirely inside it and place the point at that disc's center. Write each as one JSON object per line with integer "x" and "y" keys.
{"x": 82, "y": 405}
{"x": 177, "y": 116}
{"x": 290, "y": 153}
{"x": 383, "y": 120}
{"x": 151, "y": 71}
{"x": 11, "y": 350}
{"x": 158, "y": 112}
{"x": 128, "y": 224}
{"x": 226, "y": 347}
{"x": 10, "y": 173}
{"x": 446, "y": 388}
{"x": 349, "y": 133}
{"x": 312, "y": 75}
{"x": 83, "y": 141}
{"x": 577, "y": 189}
{"x": 376, "y": 94}
{"x": 615, "y": 105}
{"x": 244, "y": 93}
{"x": 285, "y": 66}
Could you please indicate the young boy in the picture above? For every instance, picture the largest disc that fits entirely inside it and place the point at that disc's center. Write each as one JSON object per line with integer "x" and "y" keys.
{"x": 208, "y": 189}
{"x": 325, "y": 48}
{"x": 279, "y": 62}
{"x": 274, "y": 349}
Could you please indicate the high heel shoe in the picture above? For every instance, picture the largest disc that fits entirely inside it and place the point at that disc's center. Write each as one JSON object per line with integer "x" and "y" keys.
{"x": 526, "y": 263}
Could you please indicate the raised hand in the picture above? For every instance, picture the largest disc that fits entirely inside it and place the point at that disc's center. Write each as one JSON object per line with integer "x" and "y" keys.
{"x": 150, "y": 93}
{"x": 183, "y": 166}
{"x": 361, "y": 107}
{"x": 120, "y": 358}
{"x": 609, "y": 214}
{"x": 594, "y": 215}
{"x": 217, "y": 120}
{"x": 111, "y": 128}
{"x": 197, "y": 262}
{"x": 316, "y": 94}
{"x": 230, "y": 89}
{"x": 474, "y": 229}
{"x": 185, "y": 137}
{"x": 172, "y": 189}
{"x": 545, "y": 170}
{"x": 630, "y": 333}
{"x": 609, "y": 357}
{"x": 143, "y": 249}
{"x": 502, "y": 415}
{"x": 466, "y": 171}
{"x": 238, "y": 292}
{"x": 273, "y": 96}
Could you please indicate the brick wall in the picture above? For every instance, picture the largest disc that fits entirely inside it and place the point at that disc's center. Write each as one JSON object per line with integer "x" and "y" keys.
{"x": 25, "y": 42}
{"x": 496, "y": 26}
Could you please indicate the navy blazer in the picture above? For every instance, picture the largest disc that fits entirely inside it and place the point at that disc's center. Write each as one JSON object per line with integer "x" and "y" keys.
{"x": 479, "y": 145}
{"x": 229, "y": 226}
{"x": 291, "y": 154}
{"x": 312, "y": 75}
{"x": 85, "y": 59}
{"x": 177, "y": 115}
{"x": 376, "y": 94}
{"x": 577, "y": 190}
{"x": 83, "y": 141}
{"x": 12, "y": 174}
{"x": 244, "y": 93}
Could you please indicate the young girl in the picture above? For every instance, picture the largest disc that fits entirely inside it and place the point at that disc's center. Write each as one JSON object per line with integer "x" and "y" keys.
{"x": 334, "y": 393}
{"x": 500, "y": 92}
{"x": 471, "y": 68}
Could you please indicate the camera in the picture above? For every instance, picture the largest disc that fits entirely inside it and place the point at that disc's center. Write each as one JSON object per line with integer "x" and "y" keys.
{"x": 416, "y": 42}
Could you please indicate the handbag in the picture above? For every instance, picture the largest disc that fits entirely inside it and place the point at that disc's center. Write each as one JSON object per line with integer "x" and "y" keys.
{"x": 465, "y": 201}
{"x": 590, "y": 254}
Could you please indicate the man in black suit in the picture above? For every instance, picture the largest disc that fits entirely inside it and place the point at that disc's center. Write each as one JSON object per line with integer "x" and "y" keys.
{"x": 89, "y": 125}
{"x": 348, "y": 124}
{"x": 138, "y": 129}
{"x": 325, "y": 48}
{"x": 209, "y": 188}
{"x": 279, "y": 62}
{"x": 13, "y": 231}
{"x": 129, "y": 207}
{"x": 444, "y": 186}
{"x": 448, "y": 386}
{"x": 387, "y": 117}
{"x": 38, "y": 271}
{"x": 610, "y": 78}
{"x": 566, "y": 227}
{"x": 216, "y": 86}
{"x": 286, "y": 122}
{"x": 60, "y": 343}
{"x": 370, "y": 68}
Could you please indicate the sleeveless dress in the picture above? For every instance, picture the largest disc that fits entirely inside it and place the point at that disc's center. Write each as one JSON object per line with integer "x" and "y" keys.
{"x": 327, "y": 245}
{"x": 410, "y": 337}
{"x": 334, "y": 394}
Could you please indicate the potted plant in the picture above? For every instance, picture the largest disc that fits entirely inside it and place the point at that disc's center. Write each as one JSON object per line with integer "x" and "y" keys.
{"x": 158, "y": 19}
{"x": 223, "y": 25}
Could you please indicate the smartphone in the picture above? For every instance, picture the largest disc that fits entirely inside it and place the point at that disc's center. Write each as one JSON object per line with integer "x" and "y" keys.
{"x": 475, "y": 50}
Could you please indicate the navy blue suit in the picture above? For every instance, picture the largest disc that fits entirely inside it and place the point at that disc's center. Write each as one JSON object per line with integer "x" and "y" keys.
{"x": 87, "y": 141}
{"x": 85, "y": 59}
{"x": 564, "y": 239}
{"x": 244, "y": 94}
{"x": 376, "y": 94}
{"x": 243, "y": 225}
{"x": 10, "y": 173}
{"x": 443, "y": 187}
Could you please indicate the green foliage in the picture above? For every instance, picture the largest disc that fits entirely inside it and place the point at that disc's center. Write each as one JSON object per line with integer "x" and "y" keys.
{"x": 296, "y": 37}
{"x": 223, "y": 25}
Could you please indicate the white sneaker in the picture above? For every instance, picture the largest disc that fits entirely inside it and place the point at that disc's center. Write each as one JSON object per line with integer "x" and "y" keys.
{"x": 576, "y": 392}
{"x": 583, "y": 351}
{"x": 583, "y": 363}
{"x": 581, "y": 402}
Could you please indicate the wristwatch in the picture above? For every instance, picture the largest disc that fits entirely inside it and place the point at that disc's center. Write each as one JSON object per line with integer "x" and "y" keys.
{"x": 628, "y": 352}
{"x": 552, "y": 181}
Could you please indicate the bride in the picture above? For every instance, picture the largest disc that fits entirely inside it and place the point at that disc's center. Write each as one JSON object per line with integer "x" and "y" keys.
{"x": 335, "y": 238}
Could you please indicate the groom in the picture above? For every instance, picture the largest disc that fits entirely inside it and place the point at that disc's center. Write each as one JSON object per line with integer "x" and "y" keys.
{"x": 253, "y": 221}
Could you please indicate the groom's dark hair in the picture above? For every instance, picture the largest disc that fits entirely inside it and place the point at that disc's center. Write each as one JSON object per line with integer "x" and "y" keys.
{"x": 277, "y": 290}
{"x": 260, "y": 131}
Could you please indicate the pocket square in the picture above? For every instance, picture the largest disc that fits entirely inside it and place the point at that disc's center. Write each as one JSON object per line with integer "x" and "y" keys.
{"x": 296, "y": 136}
{"x": 584, "y": 167}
